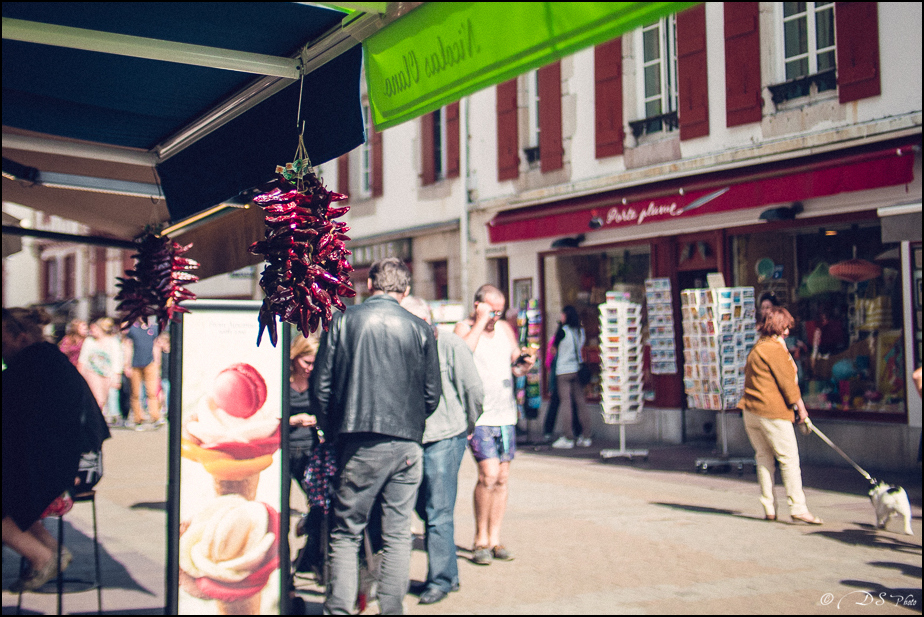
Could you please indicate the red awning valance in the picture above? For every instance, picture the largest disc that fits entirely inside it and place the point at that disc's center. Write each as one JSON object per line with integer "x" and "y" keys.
{"x": 722, "y": 192}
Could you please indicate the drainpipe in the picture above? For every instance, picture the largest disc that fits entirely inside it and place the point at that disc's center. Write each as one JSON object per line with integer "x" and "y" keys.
{"x": 466, "y": 204}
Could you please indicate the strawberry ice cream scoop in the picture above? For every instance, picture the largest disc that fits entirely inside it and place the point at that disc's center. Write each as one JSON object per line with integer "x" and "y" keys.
{"x": 240, "y": 390}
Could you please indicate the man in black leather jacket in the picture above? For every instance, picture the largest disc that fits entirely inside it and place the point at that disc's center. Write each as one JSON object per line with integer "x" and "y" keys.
{"x": 376, "y": 379}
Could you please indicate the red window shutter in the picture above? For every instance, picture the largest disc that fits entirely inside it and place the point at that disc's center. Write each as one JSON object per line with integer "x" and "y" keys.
{"x": 46, "y": 281}
{"x": 743, "y": 101}
{"x": 856, "y": 26}
{"x": 551, "y": 152}
{"x": 508, "y": 159}
{"x": 427, "y": 167}
{"x": 693, "y": 91}
{"x": 610, "y": 135}
{"x": 343, "y": 176}
{"x": 452, "y": 140}
{"x": 99, "y": 256}
{"x": 377, "y": 174}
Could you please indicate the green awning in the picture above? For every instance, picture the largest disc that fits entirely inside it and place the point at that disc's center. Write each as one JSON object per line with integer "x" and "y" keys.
{"x": 444, "y": 51}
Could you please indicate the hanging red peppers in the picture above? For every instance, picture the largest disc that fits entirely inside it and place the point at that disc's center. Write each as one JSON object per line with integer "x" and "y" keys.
{"x": 155, "y": 285}
{"x": 307, "y": 271}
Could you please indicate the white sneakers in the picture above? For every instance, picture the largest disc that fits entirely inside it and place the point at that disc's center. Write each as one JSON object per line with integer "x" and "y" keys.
{"x": 563, "y": 443}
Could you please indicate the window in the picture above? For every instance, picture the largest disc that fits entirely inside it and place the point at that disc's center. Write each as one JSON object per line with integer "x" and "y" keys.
{"x": 439, "y": 143}
{"x": 808, "y": 38}
{"x": 532, "y": 106}
{"x": 659, "y": 70}
{"x": 365, "y": 157}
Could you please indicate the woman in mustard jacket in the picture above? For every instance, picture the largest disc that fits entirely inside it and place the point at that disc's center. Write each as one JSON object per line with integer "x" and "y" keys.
{"x": 771, "y": 390}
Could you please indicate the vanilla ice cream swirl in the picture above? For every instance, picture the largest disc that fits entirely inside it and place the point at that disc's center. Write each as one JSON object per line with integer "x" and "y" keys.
{"x": 227, "y": 540}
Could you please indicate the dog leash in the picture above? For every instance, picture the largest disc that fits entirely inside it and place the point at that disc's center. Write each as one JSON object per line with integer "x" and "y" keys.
{"x": 824, "y": 438}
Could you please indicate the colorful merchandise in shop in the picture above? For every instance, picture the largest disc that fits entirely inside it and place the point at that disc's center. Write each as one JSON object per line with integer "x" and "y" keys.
{"x": 621, "y": 372}
{"x": 661, "y": 326}
{"x": 719, "y": 329}
{"x": 307, "y": 271}
{"x": 528, "y": 387}
{"x": 155, "y": 286}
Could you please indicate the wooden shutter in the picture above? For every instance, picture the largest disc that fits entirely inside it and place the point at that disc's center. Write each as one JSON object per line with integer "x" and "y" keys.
{"x": 427, "y": 167}
{"x": 857, "y": 31}
{"x": 99, "y": 266}
{"x": 343, "y": 176}
{"x": 743, "y": 101}
{"x": 378, "y": 179}
{"x": 693, "y": 91}
{"x": 551, "y": 152}
{"x": 508, "y": 159}
{"x": 609, "y": 135}
{"x": 452, "y": 140}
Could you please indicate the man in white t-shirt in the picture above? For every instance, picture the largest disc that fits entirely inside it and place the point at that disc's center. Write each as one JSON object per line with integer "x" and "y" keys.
{"x": 498, "y": 358}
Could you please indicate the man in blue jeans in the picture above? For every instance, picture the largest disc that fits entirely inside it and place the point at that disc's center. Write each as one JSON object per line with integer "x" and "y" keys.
{"x": 444, "y": 441}
{"x": 376, "y": 379}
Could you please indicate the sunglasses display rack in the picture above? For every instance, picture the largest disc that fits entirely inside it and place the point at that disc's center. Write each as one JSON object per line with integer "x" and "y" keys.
{"x": 529, "y": 386}
{"x": 719, "y": 330}
{"x": 621, "y": 375}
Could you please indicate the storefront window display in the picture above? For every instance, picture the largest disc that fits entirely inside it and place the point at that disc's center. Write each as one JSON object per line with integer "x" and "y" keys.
{"x": 843, "y": 286}
{"x": 582, "y": 280}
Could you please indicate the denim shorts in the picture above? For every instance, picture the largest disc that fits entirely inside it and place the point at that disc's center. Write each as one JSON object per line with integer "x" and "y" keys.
{"x": 494, "y": 442}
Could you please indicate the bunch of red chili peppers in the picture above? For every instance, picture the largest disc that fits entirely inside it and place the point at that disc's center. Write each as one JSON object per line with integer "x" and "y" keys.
{"x": 307, "y": 271}
{"x": 155, "y": 285}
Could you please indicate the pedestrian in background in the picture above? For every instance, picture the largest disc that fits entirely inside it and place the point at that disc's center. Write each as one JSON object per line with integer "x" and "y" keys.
{"x": 143, "y": 370}
{"x": 493, "y": 442}
{"x": 376, "y": 379}
{"x": 444, "y": 441}
{"x": 771, "y": 391}
{"x": 100, "y": 363}
{"x": 70, "y": 344}
{"x": 569, "y": 340}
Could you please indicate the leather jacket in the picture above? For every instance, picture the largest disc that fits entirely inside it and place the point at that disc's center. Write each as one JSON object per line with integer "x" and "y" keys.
{"x": 376, "y": 371}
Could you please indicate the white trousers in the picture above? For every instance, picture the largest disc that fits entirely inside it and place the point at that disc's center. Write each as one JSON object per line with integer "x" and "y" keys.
{"x": 775, "y": 440}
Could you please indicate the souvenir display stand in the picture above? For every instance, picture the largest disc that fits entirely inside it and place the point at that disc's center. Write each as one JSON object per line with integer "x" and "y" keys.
{"x": 529, "y": 386}
{"x": 621, "y": 376}
{"x": 719, "y": 330}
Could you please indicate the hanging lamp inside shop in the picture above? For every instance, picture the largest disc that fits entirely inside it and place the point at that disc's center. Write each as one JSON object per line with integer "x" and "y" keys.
{"x": 855, "y": 270}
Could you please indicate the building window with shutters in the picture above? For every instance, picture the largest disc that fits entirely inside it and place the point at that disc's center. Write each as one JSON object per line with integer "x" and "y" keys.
{"x": 531, "y": 147}
{"x": 808, "y": 59}
{"x": 439, "y": 143}
{"x": 658, "y": 78}
{"x": 365, "y": 157}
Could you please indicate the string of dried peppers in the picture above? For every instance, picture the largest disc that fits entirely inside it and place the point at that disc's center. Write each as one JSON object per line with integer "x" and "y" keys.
{"x": 307, "y": 270}
{"x": 155, "y": 286}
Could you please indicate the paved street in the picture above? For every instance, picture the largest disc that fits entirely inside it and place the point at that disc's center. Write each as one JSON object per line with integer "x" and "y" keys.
{"x": 589, "y": 537}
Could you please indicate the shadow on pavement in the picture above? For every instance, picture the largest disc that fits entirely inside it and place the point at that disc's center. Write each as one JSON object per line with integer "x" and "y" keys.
{"x": 682, "y": 458}
{"x": 160, "y": 506}
{"x": 701, "y": 509}
{"x": 869, "y": 536}
{"x": 114, "y": 575}
{"x": 906, "y": 569}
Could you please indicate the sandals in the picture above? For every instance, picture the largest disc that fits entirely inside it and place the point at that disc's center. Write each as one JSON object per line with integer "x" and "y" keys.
{"x": 808, "y": 518}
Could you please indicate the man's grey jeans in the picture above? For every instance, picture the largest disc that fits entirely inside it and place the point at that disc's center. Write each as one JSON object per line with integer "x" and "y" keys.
{"x": 373, "y": 466}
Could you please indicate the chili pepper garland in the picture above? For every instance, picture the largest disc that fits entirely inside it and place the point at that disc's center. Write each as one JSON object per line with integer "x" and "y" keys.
{"x": 307, "y": 271}
{"x": 155, "y": 285}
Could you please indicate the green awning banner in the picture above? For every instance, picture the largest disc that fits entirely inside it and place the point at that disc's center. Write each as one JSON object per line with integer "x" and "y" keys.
{"x": 443, "y": 51}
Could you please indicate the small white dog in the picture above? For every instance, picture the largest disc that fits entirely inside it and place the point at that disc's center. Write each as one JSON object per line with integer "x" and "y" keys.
{"x": 890, "y": 500}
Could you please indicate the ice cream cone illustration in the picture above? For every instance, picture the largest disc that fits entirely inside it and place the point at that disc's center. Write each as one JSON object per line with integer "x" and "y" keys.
{"x": 228, "y": 550}
{"x": 231, "y": 435}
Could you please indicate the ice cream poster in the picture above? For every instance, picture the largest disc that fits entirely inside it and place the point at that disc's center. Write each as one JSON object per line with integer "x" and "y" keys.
{"x": 230, "y": 467}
